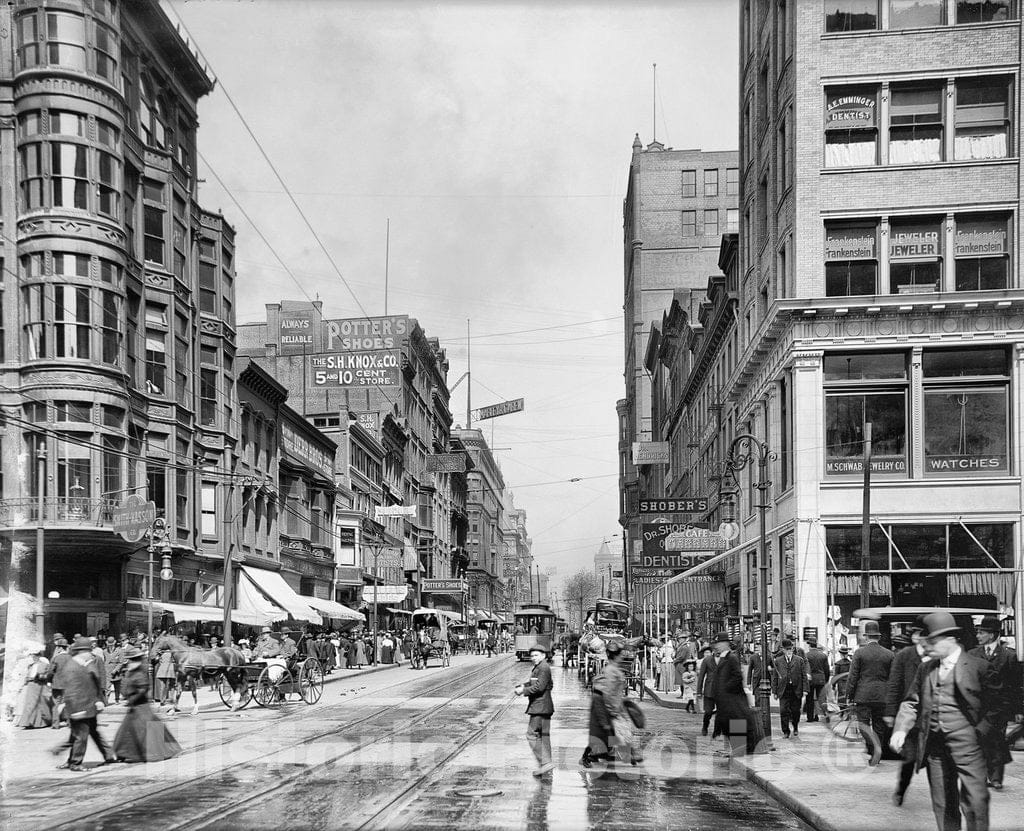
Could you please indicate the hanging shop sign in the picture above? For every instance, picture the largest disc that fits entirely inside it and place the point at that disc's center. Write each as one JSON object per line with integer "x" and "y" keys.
{"x": 408, "y": 511}
{"x": 695, "y": 539}
{"x": 369, "y": 422}
{"x": 677, "y": 505}
{"x": 302, "y": 448}
{"x": 133, "y": 517}
{"x": 653, "y": 535}
{"x": 516, "y": 405}
{"x": 446, "y": 463}
{"x": 651, "y": 453}
{"x": 845, "y": 112}
{"x": 443, "y": 586}
{"x": 355, "y": 369}
{"x": 385, "y": 594}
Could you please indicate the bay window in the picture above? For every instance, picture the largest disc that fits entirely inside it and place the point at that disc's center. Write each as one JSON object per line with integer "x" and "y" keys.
{"x": 113, "y": 450}
{"x": 966, "y": 412}
{"x": 207, "y": 397}
{"x": 981, "y": 247}
{"x": 851, "y": 259}
{"x": 110, "y": 328}
{"x": 109, "y": 184}
{"x": 30, "y": 168}
{"x": 65, "y": 40}
{"x": 105, "y": 51}
{"x": 73, "y": 471}
{"x": 982, "y": 118}
{"x": 915, "y": 124}
{"x": 34, "y": 303}
{"x": 69, "y": 177}
{"x": 72, "y": 322}
{"x": 915, "y": 256}
{"x": 861, "y": 388}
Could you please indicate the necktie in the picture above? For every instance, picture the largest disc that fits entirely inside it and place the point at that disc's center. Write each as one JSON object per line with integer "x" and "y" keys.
{"x": 944, "y": 670}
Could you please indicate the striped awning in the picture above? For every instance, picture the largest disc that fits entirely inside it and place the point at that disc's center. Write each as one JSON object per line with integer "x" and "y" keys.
{"x": 698, "y": 592}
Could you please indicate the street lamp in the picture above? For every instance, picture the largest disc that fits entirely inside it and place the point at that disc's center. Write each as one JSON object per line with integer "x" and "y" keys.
{"x": 158, "y": 538}
{"x": 741, "y": 454}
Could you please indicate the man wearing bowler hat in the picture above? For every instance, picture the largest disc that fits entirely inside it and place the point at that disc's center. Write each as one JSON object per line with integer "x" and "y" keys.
{"x": 867, "y": 682}
{"x": 83, "y": 701}
{"x": 1004, "y": 661}
{"x": 902, "y": 676}
{"x": 954, "y": 703}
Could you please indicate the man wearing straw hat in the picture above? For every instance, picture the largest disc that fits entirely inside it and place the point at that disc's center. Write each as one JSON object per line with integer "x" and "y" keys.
{"x": 954, "y": 703}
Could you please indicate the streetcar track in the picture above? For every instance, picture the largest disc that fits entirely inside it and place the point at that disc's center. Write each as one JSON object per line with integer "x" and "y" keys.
{"x": 163, "y": 792}
{"x": 204, "y": 821}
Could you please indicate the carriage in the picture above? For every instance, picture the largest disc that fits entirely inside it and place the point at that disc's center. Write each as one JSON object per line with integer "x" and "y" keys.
{"x": 277, "y": 681}
{"x": 431, "y": 637}
{"x": 535, "y": 624}
{"x": 608, "y": 619}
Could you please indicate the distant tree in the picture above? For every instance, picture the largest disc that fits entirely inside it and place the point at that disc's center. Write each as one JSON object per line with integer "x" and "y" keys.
{"x": 579, "y": 593}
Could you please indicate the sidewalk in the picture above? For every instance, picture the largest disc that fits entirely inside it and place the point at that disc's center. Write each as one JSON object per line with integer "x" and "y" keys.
{"x": 827, "y": 783}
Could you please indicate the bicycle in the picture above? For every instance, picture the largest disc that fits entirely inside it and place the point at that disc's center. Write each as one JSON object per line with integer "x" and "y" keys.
{"x": 841, "y": 718}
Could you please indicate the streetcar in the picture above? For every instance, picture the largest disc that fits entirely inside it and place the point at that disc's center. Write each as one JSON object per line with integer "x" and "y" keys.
{"x": 535, "y": 624}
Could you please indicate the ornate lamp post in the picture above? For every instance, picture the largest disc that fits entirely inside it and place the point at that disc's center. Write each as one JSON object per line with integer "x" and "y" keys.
{"x": 742, "y": 452}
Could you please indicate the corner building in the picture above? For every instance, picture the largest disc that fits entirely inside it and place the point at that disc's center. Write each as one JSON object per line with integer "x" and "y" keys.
{"x": 117, "y": 311}
{"x": 879, "y": 281}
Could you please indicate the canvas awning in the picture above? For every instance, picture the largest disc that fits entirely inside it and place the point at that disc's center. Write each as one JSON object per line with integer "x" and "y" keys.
{"x": 332, "y": 609}
{"x": 253, "y": 607}
{"x": 439, "y": 612}
{"x": 273, "y": 586}
{"x": 698, "y": 592}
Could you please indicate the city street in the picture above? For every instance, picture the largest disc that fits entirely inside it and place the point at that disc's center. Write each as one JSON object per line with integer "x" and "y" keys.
{"x": 440, "y": 748}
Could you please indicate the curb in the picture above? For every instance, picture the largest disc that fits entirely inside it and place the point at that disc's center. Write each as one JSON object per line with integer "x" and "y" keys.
{"x": 797, "y": 806}
{"x": 663, "y": 700}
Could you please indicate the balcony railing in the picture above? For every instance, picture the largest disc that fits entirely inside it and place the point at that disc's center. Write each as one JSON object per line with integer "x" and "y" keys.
{"x": 58, "y": 510}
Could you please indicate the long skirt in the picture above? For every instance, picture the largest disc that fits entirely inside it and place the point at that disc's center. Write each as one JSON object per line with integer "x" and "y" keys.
{"x": 386, "y": 654}
{"x": 36, "y": 706}
{"x": 667, "y": 679}
{"x": 143, "y": 737}
{"x": 600, "y": 739}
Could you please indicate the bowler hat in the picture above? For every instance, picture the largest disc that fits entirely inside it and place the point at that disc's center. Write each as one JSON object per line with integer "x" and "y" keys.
{"x": 82, "y": 645}
{"x": 918, "y": 624}
{"x": 940, "y": 623}
{"x": 844, "y": 649}
{"x": 722, "y": 637}
{"x": 871, "y": 628}
{"x": 787, "y": 643}
{"x": 990, "y": 623}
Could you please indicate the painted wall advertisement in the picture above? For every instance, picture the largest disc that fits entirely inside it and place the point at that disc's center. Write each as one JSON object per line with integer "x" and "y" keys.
{"x": 296, "y": 329}
{"x": 360, "y": 352}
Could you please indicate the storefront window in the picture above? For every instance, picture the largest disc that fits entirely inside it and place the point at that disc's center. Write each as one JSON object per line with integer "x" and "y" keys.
{"x": 851, "y": 260}
{"x": 845, "y": 416}
{"x": 851, "y": 129}
{"x": 982, "y": 118}
{"x": 915, "y": 124}
{"x": 909, "y": 14}
{"x": 915, "y": 256}
{"x": 844, "y": 548}
{"x": 985, "y": 545}
{"x": 864, "y": 366}
{"x": 850, "y": 15}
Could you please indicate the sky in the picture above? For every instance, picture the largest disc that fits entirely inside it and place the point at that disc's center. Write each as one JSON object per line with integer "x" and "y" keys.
{"x": 478, "y": 153}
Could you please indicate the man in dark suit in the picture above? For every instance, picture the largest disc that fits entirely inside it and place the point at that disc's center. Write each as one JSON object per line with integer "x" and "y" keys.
{"x": 706, "y": 687}
{"x": 788, "y": 684}
{"x": 868, "y": 680}
{"x": 540, "y": 709}
{"x": 842, "y": 667}
{"x": 954, "y": 702}
{"x": 83, "y": 702}
{"x": 1004, "y": 662}
{"x": 818, "y": 670}
{"x": 734, "y": 716}
{"x": 902, "y": 676}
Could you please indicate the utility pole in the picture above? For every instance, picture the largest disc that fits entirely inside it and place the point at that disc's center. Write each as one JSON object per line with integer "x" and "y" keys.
{"x": 865, "y": 532}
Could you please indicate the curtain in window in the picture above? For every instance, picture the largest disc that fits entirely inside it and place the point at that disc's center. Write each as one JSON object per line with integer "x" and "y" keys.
{"x": 981, "y": 147}
{"x": 915, "y": 151}
{"x": 880, "y": 584}
{"x": 983, "y": 582}
{"x": 853, "y": 154}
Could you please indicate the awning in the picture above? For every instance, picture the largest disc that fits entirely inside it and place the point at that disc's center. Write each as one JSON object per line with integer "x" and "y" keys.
{"x": 439, "y": 613}
{"x": 272, "y": 584}
{"x": 700, "y": 592}
{"x": 331, "y": 609}
{"x": 399, "y": 611}
{"x": 252, "y": 606}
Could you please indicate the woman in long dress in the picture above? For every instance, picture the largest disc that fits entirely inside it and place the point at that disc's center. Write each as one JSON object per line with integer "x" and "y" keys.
{"x": 35, "y": 707}
{"x": 666, "y": 657}
{"x": 142, "y": 736}
{"x": 359, "y": 658}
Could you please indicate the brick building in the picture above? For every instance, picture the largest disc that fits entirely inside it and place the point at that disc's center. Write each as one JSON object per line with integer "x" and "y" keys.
{"x": 878, "y": 282}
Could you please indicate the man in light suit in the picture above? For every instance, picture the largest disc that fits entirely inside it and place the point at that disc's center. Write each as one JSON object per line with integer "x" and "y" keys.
{"x": 954, "y": 702}
{"x": 788, "y": 684}
{"x": 1004, "y": 662}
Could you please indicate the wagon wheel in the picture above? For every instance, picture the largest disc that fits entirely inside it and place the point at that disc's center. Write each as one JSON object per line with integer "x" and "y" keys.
{"x": 226, "y": 692}
{"x": 311, "y": 681}
{"x": 271, "y": 693}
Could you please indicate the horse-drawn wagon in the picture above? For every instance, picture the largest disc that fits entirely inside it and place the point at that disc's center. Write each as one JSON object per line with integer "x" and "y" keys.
{"x": 276, "y": 681}
{"x": 431, "y": 637}
{"x": 608, "y": 619}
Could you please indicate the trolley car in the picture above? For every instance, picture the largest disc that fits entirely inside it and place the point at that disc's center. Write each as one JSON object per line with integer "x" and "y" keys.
{"x": 535, "y": 624}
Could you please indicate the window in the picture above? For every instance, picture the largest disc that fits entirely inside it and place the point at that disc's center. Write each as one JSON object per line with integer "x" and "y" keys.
{"x": 732, "y": 181}
{"x": 80, "y": 411}
{"x": 70, "y": 265}
{"x": 71, "y": 322}
{"x": 154, "y": 230}
{"x": 966, "y": 412}
{"x": 156, "y": 361}
{"x": 689, "y": 183}
{"x": 689, "y": 223}
{"x": 113, "y": 451}
{"x": 207, "y": 288}
{"x": 711, "y": 183}
{"x": 983, "y": 11}
{"x": 864, "y": 395}
{"x": 156, "y": 483}
{"x": 782, "y": 151}
{"x": 73, "y": 473}
{"x": 69, "y": 178}
{"x": 915, "y": 124}
{"x": 105, "y": 51}
{"x": 850, "y": 15}
{"x": 179, "y": 239}
{"x": 732, "y": 220}
{"x": 851, "y": 132}
{"x": 209, "y": 509}
{"x": 711, "y": 222}
{"x": 851, "y": 259}
{"x": 980, "y": 245}
{"x": 212, "y": 594}
{"x": 208, "y": 397}
{"x": 65, "y": 40}
{"x": 908, "y": 14}
{"x": 67, "y": 123}
{"x": 109, "y": 184}
{"x": 137, "y": 585}
{"x": 982, "y": 118}
{"x": 915, "y": 256}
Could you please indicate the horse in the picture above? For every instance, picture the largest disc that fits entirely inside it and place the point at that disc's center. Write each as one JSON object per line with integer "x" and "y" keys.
{"x": 191, "y": 663}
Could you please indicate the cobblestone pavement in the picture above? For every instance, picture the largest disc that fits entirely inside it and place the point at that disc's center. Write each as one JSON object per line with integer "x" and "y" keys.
{"x": 435, "y": 749}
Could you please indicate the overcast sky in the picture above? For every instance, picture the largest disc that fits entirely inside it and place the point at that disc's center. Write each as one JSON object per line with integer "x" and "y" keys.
{"x": 496, "y": 137}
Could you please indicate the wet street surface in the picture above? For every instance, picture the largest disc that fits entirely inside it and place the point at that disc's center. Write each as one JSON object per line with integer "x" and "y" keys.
{"x": 441, "y": 748}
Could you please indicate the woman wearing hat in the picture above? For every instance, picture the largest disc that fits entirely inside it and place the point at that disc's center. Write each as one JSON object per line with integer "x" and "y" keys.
{"x": 142, "y": 737}
{"x": 610, "y": 728}
{"x": 35, "y": 704}
{"x": 688, "y": 685}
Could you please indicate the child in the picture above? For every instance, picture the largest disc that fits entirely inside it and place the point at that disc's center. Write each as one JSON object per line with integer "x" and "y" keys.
{"x": 688, "y": 681}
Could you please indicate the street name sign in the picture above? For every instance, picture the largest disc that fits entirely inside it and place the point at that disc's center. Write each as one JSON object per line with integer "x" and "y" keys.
{"x": 133, "y": 518}
{"x": 394, "y": 510}
{"x": 446, "y": 463}
{"x": 516, "y": 405}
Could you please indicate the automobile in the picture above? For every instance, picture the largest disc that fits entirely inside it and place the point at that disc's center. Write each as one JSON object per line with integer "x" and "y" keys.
{"x": 895, "y": 621}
